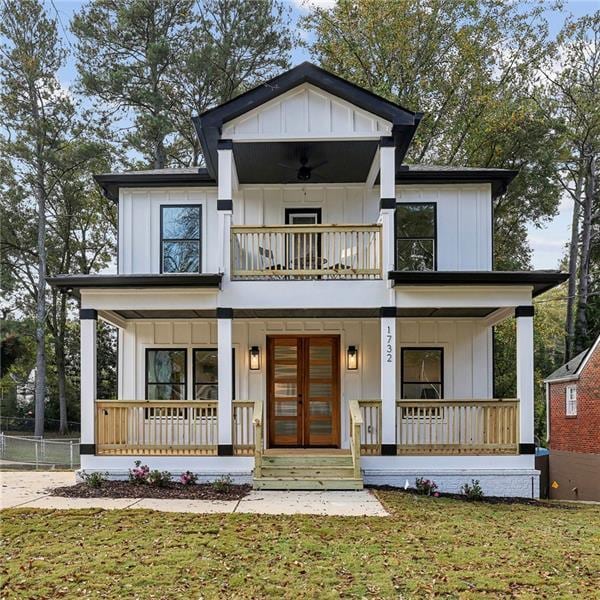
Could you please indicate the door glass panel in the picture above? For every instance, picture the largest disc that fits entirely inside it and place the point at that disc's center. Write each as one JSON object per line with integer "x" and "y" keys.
{"x": 286, "y": 409}
{"x": 284, "y": 371}
{"x": 320, "y": 408}
{"x": 285, "y": 352}
{"x": 285, "y": 428}
{"x": 320, "y": 352}
{"x": 321, "y": 390}
{"x": 285, "y": 390}
{"x": 320, "y": 427}
{"x": 320, "y": 371}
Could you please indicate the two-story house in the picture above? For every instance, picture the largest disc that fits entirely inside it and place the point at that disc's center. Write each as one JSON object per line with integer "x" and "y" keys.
{"x": 308, "y": 311}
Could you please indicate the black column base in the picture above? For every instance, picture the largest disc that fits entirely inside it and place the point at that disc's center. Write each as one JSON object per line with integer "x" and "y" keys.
{"x": 88, "y": 449}
{"x": 526, "y": 448}
{"x": 225, "y": 450}
{"x": 388, "y": 450}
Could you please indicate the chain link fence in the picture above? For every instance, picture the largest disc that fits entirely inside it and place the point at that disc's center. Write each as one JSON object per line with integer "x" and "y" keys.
{"x": 41, "y": 452}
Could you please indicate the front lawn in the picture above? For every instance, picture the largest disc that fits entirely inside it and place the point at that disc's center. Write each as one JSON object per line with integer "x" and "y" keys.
{"x": 427, "y": 548}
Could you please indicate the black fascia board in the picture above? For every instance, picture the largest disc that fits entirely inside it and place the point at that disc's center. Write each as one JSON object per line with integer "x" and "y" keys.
{"x": 110, "y": 183}
{"x": 74, "y": 283}
{"x": 208, "y": 125}
{"x": 541, "y": 281}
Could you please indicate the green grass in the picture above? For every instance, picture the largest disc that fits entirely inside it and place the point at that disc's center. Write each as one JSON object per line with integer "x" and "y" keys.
{"x": 428, "y": 548}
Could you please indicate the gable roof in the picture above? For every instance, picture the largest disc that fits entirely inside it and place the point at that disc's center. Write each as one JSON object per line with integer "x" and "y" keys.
{"x": 208, "y": 124}
{"x": 573, "y": 368}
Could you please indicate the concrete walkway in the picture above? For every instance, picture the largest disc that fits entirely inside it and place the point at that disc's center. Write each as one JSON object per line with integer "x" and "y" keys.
{"x": 28, "y": 489}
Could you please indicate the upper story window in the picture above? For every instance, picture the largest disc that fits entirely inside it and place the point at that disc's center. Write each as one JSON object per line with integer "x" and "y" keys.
{"x": 571, "y": 401}
{"x": 180, "y": 242}
{"x": 415, "y": 236}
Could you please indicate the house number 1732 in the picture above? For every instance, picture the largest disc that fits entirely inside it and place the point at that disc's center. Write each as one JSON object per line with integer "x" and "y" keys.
{"x": 389, "y": 357}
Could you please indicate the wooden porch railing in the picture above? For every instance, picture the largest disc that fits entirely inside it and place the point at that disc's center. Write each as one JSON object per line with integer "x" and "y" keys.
{"x": 306, "y": 251}
{"x": 153, "y": 427}
{"x": 258, "y": 437}
{"x": 356, "y": 422}
{"x": 457, "y": 426}
{"x": 243, "y": 429}
{"x": 370, "y": 443}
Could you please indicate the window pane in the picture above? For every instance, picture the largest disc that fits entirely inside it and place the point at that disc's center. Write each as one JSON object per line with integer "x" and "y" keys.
{"x": 205, "y": 366}
{"x": 206, "y": 391}
{"x": 160, "y": 391}
{"x": 415, "y": 255}
{"x": 181, "y": 222}
{"x": 166, "y": 366}
{"x": 415, "y": 220}
{"x": 422, "y": 391}
{"x": 181, "y": 257}
{"x": 422, "y": 365}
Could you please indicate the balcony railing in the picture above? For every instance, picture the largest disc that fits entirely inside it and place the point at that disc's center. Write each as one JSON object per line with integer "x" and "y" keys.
{"x": 306, "y": 252}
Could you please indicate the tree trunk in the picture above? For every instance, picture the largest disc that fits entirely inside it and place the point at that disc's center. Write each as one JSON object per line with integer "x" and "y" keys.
{"x": 581, "y": 327}
{"x": 40, "y": 313}
{"x": 59, "y": 345}
{"x": 573, "y": 256}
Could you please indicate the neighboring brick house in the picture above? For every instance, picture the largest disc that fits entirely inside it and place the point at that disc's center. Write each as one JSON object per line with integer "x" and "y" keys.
{"x": 573, "y": 412}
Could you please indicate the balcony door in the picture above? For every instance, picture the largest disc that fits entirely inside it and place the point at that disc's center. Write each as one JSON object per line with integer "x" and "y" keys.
{"x": 303, "y": 247}
{"x": 303, "y": 391}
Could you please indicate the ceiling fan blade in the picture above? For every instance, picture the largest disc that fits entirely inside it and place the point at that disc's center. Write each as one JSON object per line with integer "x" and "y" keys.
{"x": 295, "y": 167}
{"x": 313, "y": 167}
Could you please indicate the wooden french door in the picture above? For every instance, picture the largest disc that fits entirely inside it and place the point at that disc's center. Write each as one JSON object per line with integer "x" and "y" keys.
{"x": 303, "y": 390}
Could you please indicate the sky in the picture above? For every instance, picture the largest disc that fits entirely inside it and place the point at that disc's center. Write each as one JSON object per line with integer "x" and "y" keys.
{"x": 548, "y": 242}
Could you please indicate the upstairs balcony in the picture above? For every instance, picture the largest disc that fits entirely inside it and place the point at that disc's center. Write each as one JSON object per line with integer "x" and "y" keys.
{"x": 306, "y": 252}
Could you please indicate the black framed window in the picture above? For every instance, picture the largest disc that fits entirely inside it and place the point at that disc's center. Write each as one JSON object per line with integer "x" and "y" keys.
{"x": 415, "y": 236}
{"x": 422, "y": 373}
{"x": 166, "y": 374}
{"x": 180, "y": 238}
{"x": 206, "y": 374}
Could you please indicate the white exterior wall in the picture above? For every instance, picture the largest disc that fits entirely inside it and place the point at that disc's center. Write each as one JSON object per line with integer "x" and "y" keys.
{"x": 464, "y": 218}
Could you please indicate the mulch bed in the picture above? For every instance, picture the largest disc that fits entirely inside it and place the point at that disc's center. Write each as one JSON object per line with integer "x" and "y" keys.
{"x": 485, "y": 499}
{"x": 125, "y": 489}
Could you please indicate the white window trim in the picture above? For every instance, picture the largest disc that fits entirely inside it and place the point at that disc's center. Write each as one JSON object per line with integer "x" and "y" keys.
{"x": 571, "y": 400}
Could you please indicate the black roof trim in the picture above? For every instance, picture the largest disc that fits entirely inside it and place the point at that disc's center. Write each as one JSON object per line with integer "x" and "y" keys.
{"x": 541, "y": 281}
{"x": 208, "y": 124}
{"x": 112, "y": 182}
{"x": 75, "y": 283}
{"x": 432, "y": 174}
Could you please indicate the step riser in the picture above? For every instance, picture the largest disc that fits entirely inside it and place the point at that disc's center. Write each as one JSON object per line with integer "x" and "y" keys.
{"x": 328, "y": 472}
{"x": 308, "y": 484}
{"x": 308, "y": 461}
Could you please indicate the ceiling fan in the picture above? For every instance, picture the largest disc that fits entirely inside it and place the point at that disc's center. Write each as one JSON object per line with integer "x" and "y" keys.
{"x": 305, "y": 171}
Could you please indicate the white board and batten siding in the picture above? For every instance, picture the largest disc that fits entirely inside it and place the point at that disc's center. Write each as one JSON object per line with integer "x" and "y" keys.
{"x": 467, "y": 348}
{"x": 306, "y": 112}
{"x": 464, "y": 218}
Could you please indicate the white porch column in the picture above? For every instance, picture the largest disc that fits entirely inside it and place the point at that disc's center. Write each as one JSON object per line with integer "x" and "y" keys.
{"x": 387, "y": 201}
{"x": 225, "y": 374}
{"x": 525, "y": 386}
{"x": 227, "y": 180}
{"x": 88, "y": 318}
{"x": 388, "y": 380}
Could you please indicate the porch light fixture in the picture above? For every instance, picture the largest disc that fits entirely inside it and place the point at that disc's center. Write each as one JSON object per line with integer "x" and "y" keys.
{"x": 352, "y": 358}
{"x": 254, "y": 358}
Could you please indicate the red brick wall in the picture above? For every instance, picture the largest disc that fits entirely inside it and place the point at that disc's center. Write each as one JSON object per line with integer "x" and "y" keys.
{"x": 580, "y": 433}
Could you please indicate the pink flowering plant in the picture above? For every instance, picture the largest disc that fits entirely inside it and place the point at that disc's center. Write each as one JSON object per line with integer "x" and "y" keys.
{"x": 188, "y": 478}
{"x": 426, "y": 487}
{"x": 139, "y": 473}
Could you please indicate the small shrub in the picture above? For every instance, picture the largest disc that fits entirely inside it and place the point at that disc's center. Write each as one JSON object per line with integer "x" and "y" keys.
{"x": 188, "y": 478}
{"x": 159, "y": 478}
{"x": 95, "y": 479}
{"x": 222, "y": 484}
{"x": 426, "y": 487}
{"x": 472, "y": 491}
{"x": 139, "y": 473}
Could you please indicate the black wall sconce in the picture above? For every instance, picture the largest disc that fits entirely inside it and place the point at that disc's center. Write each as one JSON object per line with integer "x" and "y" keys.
{"x": 254, "y": 358}
{"x": 352, "y": 358}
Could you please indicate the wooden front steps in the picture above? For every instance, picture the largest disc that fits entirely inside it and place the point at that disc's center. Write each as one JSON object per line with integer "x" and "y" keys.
{"x": 307, "y": 470}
